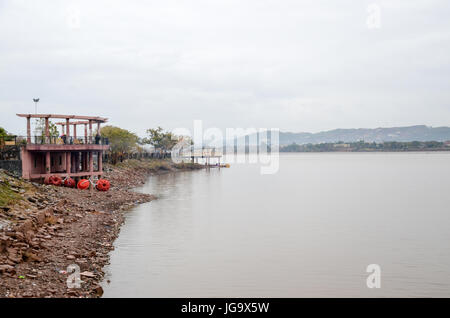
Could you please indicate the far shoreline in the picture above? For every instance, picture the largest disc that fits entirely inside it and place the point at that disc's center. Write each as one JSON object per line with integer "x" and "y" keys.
{"x": 371, "y": 151}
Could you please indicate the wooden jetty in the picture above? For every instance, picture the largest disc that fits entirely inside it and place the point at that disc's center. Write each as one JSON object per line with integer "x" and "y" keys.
{"x": 207, "y": 153}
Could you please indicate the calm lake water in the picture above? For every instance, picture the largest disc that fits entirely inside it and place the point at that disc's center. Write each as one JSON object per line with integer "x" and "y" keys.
{"x": 308, "y": 231}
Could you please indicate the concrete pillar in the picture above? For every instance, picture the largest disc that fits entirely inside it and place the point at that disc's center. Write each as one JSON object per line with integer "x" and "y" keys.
{"x": 74, "y": 131}
{"x": 98, "y": 129}
{"x": 47, "y": 131}
{"x": 76, "y": 162}
{"x": 68, "y": 162}
{"x": 100, "y": 161}
{"x": 83, "y": 161}
{"x": 26, "y": 163}
{"x": 47, "y": 162}
{"x": 90, "y": 131}
{"x": 68, "y": 129}
{"x": 72, "y": 163}
{"x": 62, "y": 129}
{"x": 91, "y": 161}
{"x": 28, "y": 130}
{"x": 85, "y": 134}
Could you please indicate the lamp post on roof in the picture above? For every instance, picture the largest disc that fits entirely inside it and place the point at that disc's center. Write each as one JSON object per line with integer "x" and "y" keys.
{"x": 35, "y": 100}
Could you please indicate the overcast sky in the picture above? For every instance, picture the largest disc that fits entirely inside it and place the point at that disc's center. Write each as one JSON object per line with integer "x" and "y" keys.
{"x": 295, "y": 65}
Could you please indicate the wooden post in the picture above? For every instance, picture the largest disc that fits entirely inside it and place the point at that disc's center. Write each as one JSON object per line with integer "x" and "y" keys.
{"x": 28, "y": 130}
{"x": 257, "y": 143}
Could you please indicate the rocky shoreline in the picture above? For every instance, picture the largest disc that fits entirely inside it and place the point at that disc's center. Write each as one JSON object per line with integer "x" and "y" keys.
{"x": 48, "y": 228}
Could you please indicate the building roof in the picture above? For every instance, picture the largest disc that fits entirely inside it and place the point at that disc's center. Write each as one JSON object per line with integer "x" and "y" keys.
{"x": 83, "y": 122}
{"x": 91, "y": 118}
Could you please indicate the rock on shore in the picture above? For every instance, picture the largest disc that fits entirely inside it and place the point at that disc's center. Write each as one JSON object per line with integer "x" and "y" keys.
{"x": 44, "y": 229}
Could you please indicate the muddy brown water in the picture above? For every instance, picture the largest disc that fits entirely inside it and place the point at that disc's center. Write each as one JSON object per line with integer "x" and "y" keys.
{"x": 309, "y": 230}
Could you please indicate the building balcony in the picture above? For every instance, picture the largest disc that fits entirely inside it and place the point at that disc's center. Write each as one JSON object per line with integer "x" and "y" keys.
{"x": 64, "y": 147}
{"x": 63, "y": 143}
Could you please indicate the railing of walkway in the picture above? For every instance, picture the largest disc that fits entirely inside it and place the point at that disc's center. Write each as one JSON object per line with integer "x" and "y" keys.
{"x": 53, "y": 140}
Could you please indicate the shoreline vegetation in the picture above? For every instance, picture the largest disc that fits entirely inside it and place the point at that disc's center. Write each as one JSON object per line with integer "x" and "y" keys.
{"x": 361, "y": 146}
{"x": 44, "y": 229}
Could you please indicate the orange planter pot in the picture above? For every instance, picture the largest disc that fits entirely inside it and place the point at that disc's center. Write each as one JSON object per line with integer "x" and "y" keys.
{"x": 103, "y": 185}
{"x": 83, "y": 184}
{"x": 70, "y": 183}
{"x": 53, "y": 180}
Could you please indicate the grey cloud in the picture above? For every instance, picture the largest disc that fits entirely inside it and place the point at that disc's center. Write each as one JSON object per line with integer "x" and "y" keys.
{"x": 296, "y": 65}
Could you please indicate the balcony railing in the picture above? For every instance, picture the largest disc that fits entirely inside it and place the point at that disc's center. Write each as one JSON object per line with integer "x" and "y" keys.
{"x": 53, "y": 140}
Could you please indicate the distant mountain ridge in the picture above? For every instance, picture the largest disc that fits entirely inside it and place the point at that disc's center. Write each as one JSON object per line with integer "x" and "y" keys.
{"x": 410, "y": 133}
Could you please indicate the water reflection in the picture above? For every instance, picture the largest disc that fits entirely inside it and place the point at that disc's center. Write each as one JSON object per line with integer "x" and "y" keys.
{"x": 310, "y": 230}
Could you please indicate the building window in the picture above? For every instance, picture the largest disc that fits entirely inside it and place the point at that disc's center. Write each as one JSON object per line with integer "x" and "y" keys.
{"x": 35, "y": 162}
{"x": 52, "y": 161}
{"x": 60, "y": 160}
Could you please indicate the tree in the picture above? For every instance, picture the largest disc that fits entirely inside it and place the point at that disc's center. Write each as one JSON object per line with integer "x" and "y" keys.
{"x": 5, "y": 136}
{"x": 40, "y": 128}
{"x": 162, "y": 140}
{"x": 121, "y": 141}
{"x": 3, "y": 132}
{"x": 154, "y": 138}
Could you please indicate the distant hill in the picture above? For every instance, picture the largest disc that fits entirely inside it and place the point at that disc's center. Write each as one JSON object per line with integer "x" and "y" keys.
{"x": 411, "y": 133}
{"x": 400, "y": 134}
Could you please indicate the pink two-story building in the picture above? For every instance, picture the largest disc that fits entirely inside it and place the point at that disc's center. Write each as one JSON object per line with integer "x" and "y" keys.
{"x": 66, "y": 155}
